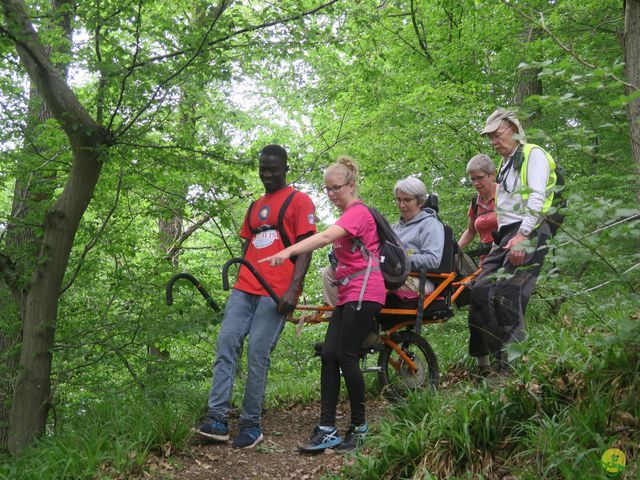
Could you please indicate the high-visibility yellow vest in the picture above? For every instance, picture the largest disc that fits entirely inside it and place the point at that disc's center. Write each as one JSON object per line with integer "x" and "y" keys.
{"x": 551, "y": 182}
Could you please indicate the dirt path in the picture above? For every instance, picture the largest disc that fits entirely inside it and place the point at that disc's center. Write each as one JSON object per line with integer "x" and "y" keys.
{"x": 275, "y": 458}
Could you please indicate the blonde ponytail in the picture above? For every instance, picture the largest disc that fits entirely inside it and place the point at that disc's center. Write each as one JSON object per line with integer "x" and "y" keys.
{"x": 346, "y": 167}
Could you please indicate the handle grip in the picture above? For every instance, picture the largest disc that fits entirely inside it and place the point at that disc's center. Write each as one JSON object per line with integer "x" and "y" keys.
{"x": 169, "y": 297}
{"x": 252, "y": 269}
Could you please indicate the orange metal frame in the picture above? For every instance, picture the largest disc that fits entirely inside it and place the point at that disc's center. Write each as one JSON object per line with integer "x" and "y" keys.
{"x": 447, "y": 279}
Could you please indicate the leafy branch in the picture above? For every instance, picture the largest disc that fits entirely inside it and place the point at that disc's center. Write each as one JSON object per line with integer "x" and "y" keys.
{"x": 542, "y": 26}
{"x": 92, "y": 243}
{"x": 250, "y": 28}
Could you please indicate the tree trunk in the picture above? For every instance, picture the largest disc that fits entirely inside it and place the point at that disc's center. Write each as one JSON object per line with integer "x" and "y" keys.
{"x": 170, "y": 230}
{"x": 31, "y": 396}
{"x": 529, "y": 82}
{"x": 632, "y": 67}
{"x": 9, "y": 336}
{"x": 33, "y": 193}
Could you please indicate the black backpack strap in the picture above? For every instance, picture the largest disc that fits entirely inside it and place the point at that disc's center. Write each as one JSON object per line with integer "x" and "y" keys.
{"x": 249, "y": 210}
{"x": 283, "y": 210}
{"x": 474, "y": 205}
{"x": 420, "y": 312}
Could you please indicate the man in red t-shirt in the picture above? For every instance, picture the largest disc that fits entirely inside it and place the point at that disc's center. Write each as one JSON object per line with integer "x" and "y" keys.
{"x": 250, "y": 310}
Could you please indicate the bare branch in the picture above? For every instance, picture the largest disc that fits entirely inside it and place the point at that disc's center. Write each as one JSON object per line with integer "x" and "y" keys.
{"x": 177, "y": 244}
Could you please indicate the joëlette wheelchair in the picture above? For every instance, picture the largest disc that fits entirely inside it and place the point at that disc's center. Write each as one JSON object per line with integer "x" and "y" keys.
{"x": 406, "y": 360}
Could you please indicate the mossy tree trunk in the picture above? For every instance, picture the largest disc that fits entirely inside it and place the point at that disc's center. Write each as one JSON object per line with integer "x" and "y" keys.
{"x": 632, "y": 65}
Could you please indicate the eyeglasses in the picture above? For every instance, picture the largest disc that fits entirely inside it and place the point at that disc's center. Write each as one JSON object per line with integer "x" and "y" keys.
{"x": 334, "y": 188}
{"x": 400, "y": 200}
{"x": 477, "y": 179}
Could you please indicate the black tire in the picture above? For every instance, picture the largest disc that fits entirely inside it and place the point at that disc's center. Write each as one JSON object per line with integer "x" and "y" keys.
{"x": 395, "y": 378}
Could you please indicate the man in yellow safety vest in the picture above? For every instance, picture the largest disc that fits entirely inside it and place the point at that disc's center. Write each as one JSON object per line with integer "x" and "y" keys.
{"x": 526, "y": 187}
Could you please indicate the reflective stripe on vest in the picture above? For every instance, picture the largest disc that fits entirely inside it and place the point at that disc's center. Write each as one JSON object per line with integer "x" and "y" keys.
{"x": 551, "y": 182}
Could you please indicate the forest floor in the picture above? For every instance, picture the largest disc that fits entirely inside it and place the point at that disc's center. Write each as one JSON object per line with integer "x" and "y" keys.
{"x": 277, "y": 457}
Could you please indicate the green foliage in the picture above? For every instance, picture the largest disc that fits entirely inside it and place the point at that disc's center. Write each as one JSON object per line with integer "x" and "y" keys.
{"x": 405, "y": 92}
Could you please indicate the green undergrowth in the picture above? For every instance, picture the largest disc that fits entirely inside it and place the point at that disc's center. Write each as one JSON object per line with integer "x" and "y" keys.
{"x": 574, "y": 394}
{"x": 111, "y": 439}
{"x": 113, "y": 435}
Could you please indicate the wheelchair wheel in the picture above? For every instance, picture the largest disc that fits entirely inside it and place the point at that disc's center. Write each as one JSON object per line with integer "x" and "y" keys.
{"x": 395, "y": 375}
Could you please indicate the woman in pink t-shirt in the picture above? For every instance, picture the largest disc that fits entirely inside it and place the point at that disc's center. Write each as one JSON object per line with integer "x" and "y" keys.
{"x": 358, "y": 303}
{"x": 482, "y": 215}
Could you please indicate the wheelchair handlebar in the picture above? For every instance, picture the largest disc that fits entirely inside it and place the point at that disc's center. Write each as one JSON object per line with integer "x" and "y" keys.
{"x": 169, "y": 297}
{"x": 252, "y": 269}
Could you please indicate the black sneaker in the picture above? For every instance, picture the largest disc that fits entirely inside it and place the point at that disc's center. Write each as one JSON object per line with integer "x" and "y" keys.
{"x": 320, "y": 440}
{"x": 248, "y": 438}
{"x": 353, "y": 438}
{"x": 501, "y": 372}
{"x": 214, "y": 429}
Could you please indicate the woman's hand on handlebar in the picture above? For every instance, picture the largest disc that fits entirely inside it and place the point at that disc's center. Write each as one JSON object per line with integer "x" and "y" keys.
{"x": 277, "y": 259}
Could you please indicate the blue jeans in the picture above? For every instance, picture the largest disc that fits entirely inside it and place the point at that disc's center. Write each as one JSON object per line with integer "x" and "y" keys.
{"x": 258, "y": 317}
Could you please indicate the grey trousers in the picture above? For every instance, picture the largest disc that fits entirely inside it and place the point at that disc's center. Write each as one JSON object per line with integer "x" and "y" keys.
{"x": 498, "y": 303}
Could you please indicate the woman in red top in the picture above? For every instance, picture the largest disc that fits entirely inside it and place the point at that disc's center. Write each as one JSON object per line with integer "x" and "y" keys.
{"x": 482, "y": 218}
{"x": 482, "y": 215}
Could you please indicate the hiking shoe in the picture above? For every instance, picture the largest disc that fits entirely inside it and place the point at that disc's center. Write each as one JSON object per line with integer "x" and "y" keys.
{"x": 501, "y": 371}
{"x": 353, "y": 438}
{"x": 214, "y": 429}
{"x": 502, "y": 368}
{"x": 321, "y": 439}
{"x": 248, "y": 438}
{"x": 481, "y": 373}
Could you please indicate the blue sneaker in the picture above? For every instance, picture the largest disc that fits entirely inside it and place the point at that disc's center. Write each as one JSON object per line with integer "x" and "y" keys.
{"x": 321, "y": 439}
{"x": 248, "y": 438}
{"x": 214, "y": 429}
{"x": 353, "y": 438}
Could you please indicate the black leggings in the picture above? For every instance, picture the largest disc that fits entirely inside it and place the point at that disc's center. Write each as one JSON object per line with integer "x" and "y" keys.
{"x": 346, "y": 332}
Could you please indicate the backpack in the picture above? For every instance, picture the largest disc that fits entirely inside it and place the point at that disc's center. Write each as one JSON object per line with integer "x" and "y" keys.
{"x": 474, "y": 206}
{"x": 395, "y": 265}
{"x": 559, "y": 203}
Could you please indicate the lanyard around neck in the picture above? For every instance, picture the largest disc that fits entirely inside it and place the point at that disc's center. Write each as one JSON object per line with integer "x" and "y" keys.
{"x": 515, "y": 161}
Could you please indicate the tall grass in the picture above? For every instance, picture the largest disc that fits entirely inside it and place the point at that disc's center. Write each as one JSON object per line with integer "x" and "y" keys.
{"x": 110, "y": 440}
{"x": 574, "y": 394}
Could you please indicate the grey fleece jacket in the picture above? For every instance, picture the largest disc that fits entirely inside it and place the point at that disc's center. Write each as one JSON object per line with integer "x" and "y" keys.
{"x": 423, "y": 239}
